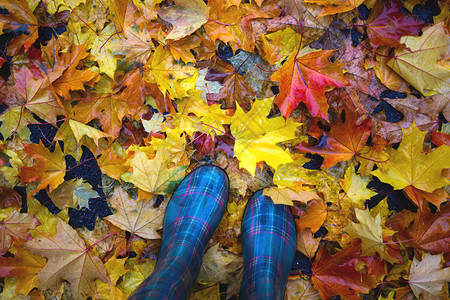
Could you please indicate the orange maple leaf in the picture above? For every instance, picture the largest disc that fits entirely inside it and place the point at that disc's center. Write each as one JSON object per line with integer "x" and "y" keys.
{"x": 50, "y": 167}
{"x": 305, "y": 79}
{"x": 342, "y": 142}
{"x": 24, "y": 266}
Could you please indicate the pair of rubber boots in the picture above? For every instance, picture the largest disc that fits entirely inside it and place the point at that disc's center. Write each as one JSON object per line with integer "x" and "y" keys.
{"x": 194, "y": 213}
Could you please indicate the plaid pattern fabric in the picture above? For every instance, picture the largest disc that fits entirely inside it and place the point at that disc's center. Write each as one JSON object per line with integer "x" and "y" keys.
{"x": 269, "y": 241}
{"x": 193, "y": 214}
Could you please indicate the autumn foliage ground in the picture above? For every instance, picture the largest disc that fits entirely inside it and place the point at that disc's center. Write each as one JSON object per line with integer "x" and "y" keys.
{"x": 338, "y": 109}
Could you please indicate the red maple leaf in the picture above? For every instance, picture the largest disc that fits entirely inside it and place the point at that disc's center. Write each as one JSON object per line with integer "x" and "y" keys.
{"x": 305, "y": 79}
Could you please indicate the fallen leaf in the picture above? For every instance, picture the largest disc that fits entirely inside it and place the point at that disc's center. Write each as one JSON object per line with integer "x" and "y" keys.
{"x": 79, "y": 130}
{"x": 344, "y": 140}
{"x": 387, "y": 23}
{"x": 20, "y": 14}
{"x": 139, "y": 218}
{"x": 153, "y": 175}
{"x": 306, "y": 243}
{"x": 336, "y": 6}
{"x": 301, "y": 289}
{"x": 50, "y": 167}
{"x": 424, "y": 63}
{"x": 427, "y": 278}
{"x": 24, "y": 266}
{"x": 409, "y": 165}
{"x": 370, "y": 232}
{"x": 313, "y": 217}
{"x": 68, "y": 259}
{"x": 256, "y": 136}
{"x": 431, "y": 231}
{"x": 14, "y": 225}
{"x": 305, "y": 79}
{"x": 219, "y": 266}
{"x": 186, "y": 16}
{"x": 337, "y": 274}
{"x": 355, "y": 185}
{"x": 286, "y": 195}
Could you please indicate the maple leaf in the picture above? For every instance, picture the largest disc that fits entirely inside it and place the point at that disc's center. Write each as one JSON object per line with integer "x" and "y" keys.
{"x": 306, "y": 243}
{"x": 172, "y": 77}
{"x": 79, "y": 130}
{"x": 109, "y": 110}
{"x": 133, "y": 90}
{"x": 286, "y": 195}
{"x": 139, "y": 218}
{"x": 313, "y": 217}
{"x": 153, "y": 175}
{"x": 336, "y": 6}
{"x": 256, "y": 136}
{"x": 409, "y": 165}
{"x": 15, "y": 120}
{"x": 301, "y": 289}
{"x": 37, "y": 95}
{"x": 234, "y": 89}
{"x": 72, "y": 193}
{"x": 355, "y": 186}
{"x": 218, "y": 266}
{"x": 186, "y": 16}
{"x": 50, "y": 167}
{"x": 387, "y": 23}
{"x": 20, "y": 14}
{"x": 337, "y": 274}
{"x": 304, "y": 79}
{"x": 344, "y": 140}
{"x": 424, "y": 63}
{"x": 24, "y": 266}
{"x": 427, "y": 278}
{"x": 431, "y": 231}
{"x": 68, "y": 259}
{"x": 71, "y": 78}
{"x": 371, "y": 234}
{"x": 112, "y": 164}
{"x": 14, "y": 225}
{"x": 437, "y": 197}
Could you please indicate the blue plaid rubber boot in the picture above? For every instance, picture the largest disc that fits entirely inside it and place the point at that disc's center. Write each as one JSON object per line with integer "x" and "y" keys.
{"x": 269, "y": 241}
{"x": 193, "y": 214}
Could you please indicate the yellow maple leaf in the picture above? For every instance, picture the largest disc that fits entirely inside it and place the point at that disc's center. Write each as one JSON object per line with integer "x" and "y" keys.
{"x": 286, "y": 195}
{"x": 139, "y": 218}
{"x": 256, "y": 136}
{"x": 409, "y": 165}
{"x": 370, "y": 232}
{"x": 425, "y": 62}
{"x": 68, "y": 259}
{"x": 154, "y": 175}
{"x": 79, "y": 130}
{"x": 171, "y": 77}
{"x": 355, "y": 185}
